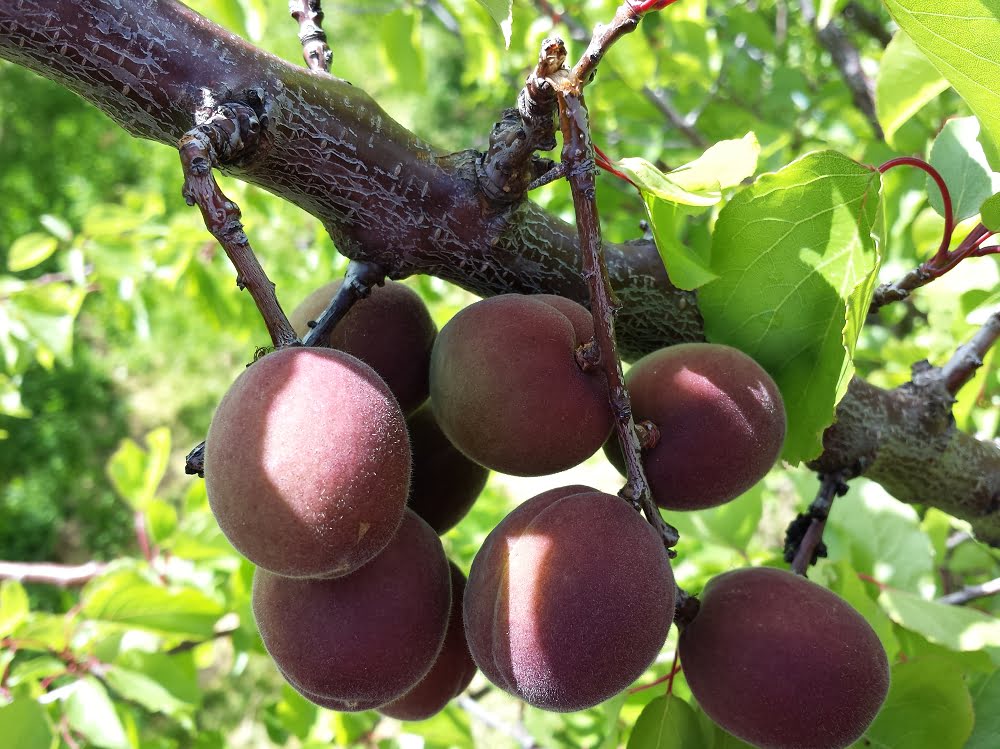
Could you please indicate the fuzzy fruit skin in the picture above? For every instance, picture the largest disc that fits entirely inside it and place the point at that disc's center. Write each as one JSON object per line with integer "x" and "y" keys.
{"x": 782, "y": 662}
{"x": 445, "y": 483}
{"x": 391, "y": 331}
{"x": 451, "y": 672}
{"x": 507, "y": 391}
{"x": 307, "y": 463}
{"x": 562, "y": 621}
{"x": 365, "y": 639}
{"x": 721, "y": 420}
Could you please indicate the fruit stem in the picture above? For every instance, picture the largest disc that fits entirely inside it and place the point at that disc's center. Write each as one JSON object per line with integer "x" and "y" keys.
{"x": 578, "y": 157}
{"x": 360, "y": 279}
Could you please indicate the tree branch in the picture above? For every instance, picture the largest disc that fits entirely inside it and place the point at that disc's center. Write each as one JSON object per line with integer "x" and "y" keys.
{"x": 387, "y": 197}
{"x": 50, "y": 573}
{"x": 972, "y": 592}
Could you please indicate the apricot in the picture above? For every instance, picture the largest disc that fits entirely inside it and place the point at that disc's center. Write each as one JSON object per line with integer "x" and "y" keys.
{"x": 782, "y": 662}
{"x": 569, "y": 600}
{"x": 721, "y": 421}
{"x": 364, "y": 639}
{"x": 307, "y": 463}
{"x": 451, "y": 672}
{"x": 508, "y": 392}
{"x": 391, "y": 331}
{"x": 445, "y": 482}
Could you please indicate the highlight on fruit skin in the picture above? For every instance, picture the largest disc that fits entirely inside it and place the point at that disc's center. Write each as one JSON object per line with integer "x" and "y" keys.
{"x": 362, "y": 640}
{"x": 721, "y": 423}
{"x": 507, "y": 390}
{"x": 558, "y": 619}
{"x": 783, "y": 663}
{"x": 307, "y": 463}
{"x": 390, "y": 330}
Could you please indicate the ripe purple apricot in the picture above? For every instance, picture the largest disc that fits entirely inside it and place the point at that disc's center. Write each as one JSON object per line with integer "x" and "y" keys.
{"x": 561, "y": 621}
{"x": 782, "y": 662}
{"x": 391, "y": 331}
{"x": 507, "y": 391}
{"x": 307, "y": 463}
{"x": 445, "y": 483}
{"x": 365, "y": 639}
{"x": 451, "y": 672}
{"x": 721, "y": 421}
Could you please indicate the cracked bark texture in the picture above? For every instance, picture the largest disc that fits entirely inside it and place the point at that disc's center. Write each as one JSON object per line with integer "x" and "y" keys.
{"x": 385, "y": 196}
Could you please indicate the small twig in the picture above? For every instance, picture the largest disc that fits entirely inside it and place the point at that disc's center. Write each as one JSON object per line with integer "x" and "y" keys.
{"x": 804, "y": 537}
{"x": 309, "y": 14}
{"x": 516, "y": 731}
{"x": 937, "y": 266}
{"x": 972, "y": 592}
{"x": 230, "y": 131}
{"x": 188, "y": 645}
{"x": 578, "y": 158}
{"x": 360, "y": 279}
{"x": 50, "y": 573}
{"x": 659, "y": 100}
{"x": 868, "y": 22}
{"x": 970, "y": 355}
{"x": 848, "y": 61}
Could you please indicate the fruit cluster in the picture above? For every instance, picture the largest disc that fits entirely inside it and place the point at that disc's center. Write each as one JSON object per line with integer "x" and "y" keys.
{"x": 329, "y": 469}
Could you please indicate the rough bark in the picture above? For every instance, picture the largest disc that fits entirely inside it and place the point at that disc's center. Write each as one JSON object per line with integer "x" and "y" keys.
{"x": 385, "y": 196}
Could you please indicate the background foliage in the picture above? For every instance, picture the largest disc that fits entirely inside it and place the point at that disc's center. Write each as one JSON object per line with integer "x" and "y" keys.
{"x": 120, "y": 327}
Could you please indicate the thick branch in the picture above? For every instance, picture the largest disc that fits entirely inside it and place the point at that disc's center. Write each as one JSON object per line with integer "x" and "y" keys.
{"x": 387, "y": 197}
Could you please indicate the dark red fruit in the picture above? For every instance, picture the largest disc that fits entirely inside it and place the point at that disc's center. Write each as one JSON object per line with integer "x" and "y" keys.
{"x": 365, "y": 639}
{"x": 451, "y": 672}
{"x": 721, "y": 421}
{"x": 782, "y": 662}
{"x": 445, "y": 483}
{"x": 507, "y": 391}
{"x": 307, "y": 463}
{"x": 391, "y": 331}
{"x": 569, "y": 600}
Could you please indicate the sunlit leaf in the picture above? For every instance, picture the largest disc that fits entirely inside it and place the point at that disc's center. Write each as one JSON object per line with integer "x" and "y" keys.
{"x": 30, "y": 250}
{"x": 797, "y": 256}
{"x": 906, "y": 81}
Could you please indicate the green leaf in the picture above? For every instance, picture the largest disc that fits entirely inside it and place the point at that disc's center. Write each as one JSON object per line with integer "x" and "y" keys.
{"x": 990, "y": 212}
{"x": 954, "y": 627}
{"x": 958, "y": 156}
{"x": 732, "y": 524}
{"x": 126, "y": 598}
{"x": 136, "y": 473}
{"x": 986, "y": 698}
{"x": 700, "y": 184}
{"x": 145, "y": 691}
{"x": 797, "y": 256}
{"x": 402, "y": 50}
{"x": 14, "y": 606}
{"x": 906, "y": 81}
{"x": 960, "y": 39}
{"x": 667, "y": 723}
{"x": 90, "y": 712}
{"x": 30, "y": 250}
{"x": 928, "y": 707}
{"x": 882, "y": 537}
{"x": 25, "y": 725}
{"x": 501, "y": 11}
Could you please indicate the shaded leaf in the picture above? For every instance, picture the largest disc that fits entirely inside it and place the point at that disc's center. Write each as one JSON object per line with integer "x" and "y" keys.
{"x": 928, "y": 707}
{"x": 501, "y": 11}
{"x": 25, "y": 725}
{"x": 958, "y": 156}
{"x": 667, "y": 723}
{"x": 91, "y": 713}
